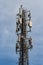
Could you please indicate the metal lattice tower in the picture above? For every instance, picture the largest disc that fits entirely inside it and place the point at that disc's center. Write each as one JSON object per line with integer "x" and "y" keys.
{"x": 23, "y": 43}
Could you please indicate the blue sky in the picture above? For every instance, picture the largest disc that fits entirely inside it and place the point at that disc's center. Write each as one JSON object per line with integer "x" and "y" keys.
{"x": 8, "y": 11}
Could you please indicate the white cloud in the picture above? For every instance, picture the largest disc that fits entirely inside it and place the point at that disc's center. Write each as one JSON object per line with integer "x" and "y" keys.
{"x": 8, "y": 11}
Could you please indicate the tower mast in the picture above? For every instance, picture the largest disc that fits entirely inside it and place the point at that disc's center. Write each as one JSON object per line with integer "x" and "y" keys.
{"x": 23, "y": 43}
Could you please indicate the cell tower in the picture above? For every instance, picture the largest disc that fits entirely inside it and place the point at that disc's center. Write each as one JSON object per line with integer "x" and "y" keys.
{"x": 23, "y": 26}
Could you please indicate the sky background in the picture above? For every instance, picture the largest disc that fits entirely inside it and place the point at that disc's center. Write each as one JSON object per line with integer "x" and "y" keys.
{"x": 8, "y": 11}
